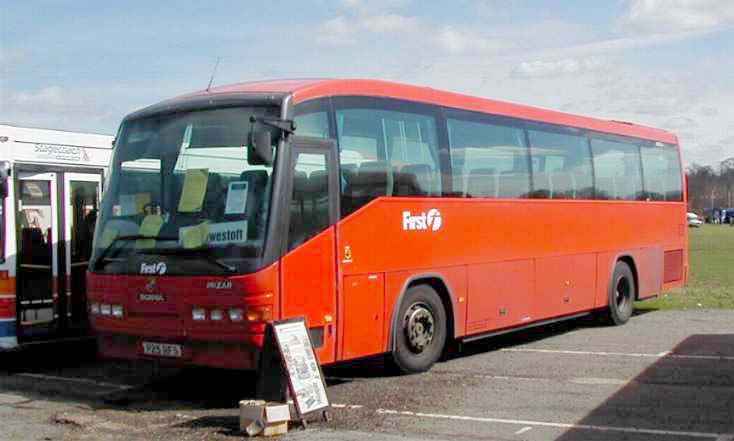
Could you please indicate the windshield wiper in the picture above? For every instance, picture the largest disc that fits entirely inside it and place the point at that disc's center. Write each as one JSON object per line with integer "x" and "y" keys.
{"x": 103, "y": 258}
{"x": 203, "y": 252}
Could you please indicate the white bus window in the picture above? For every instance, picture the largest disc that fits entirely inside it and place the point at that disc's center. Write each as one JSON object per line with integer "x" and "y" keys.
{"x": 561, "y": 165}
{"x": 617, "y": 170}
{"x": 661, "y": 168}
{"x": 488, "y": 160}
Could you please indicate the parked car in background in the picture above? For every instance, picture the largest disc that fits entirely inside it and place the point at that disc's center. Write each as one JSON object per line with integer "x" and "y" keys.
{"x": 694, "y": 221}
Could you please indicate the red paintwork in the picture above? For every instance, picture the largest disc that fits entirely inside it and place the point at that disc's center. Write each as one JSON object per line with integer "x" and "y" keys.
{"x": 7, "y": 296}
{"x": 171, "y": 321}
{"x": 362, "y": 315}
{"x": 307, "y": 89}
{"x": 308, "y": 281}
{"x": 505, "y": 263}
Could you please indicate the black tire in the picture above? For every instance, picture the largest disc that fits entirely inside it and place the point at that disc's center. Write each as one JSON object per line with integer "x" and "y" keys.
{"x": 622, "y": 295}
{"x": 420, "y": 330}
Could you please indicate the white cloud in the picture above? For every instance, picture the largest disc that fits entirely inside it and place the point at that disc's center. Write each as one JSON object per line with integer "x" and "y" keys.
{"x": 375, "y": 6}
{"x": 680, "y": 123}
{"x": 46, "y": 97}
{"x": 344, "y": 31}
{"x": 679, "y": 14}
{"x": 566, "y": 67}
{"x": 456, "y": 41}
{"x": 388, "y": 23}
{"x": 337, "y": 31}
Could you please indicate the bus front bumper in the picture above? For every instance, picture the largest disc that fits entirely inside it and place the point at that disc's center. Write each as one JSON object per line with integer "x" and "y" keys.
{"x": 243, "y": 354}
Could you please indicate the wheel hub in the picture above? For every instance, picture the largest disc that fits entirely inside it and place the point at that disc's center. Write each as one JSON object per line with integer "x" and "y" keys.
{"x": 419, "y": 327}
{"x": 622, "y": 292}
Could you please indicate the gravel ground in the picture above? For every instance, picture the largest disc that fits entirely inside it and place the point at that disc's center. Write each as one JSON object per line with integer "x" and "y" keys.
{"x": 664, "y": 375}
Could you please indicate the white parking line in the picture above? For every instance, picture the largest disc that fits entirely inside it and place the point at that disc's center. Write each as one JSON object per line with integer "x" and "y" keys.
{"x": 665, "y": 354}
{"x": 715, "y": 436}
{"x": 523, "y": 430}
{"x": 346, "y": 406}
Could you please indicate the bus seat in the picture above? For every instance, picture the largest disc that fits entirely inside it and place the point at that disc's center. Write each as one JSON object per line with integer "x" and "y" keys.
{"x": 370, "y": 181}
{"x": 214, "y": 198}
{"x": 415, "y": 180}
{"x": 318, "y": 193}
{"x": 606, "y": 188}
{"x": 563, "y": 185}
{"x": 300, "y": 184}
{"x": 543, "y": 186}
{"x": 257, "y": 182}
{"x": 513, "y": 185}
{"x": 655, "y": 189}
{"x": 673, "y": 187}
{"x": 318, "y": 185}
{"x": 481, "y": 183}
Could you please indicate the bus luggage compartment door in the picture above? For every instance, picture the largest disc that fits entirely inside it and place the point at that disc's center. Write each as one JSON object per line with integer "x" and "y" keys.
{"x": 363, "y": 299}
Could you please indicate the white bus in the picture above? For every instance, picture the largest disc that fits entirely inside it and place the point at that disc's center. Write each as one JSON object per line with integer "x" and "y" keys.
{"x": 50, "y": 187}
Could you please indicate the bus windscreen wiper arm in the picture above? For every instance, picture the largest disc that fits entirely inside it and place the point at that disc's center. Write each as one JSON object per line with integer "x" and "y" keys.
{"x": 101, "y": 261}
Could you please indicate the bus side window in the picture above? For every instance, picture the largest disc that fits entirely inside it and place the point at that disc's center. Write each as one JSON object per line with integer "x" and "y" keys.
{"x": 563, "y": 167}
{"x": 617, "y": 170}
{"x": 312, "y": 119}
{"x": 309, "y": 209}
{"x": 385, "y": 151}
{"x": 488, "y": 160}
{"x": 661, "y": 168}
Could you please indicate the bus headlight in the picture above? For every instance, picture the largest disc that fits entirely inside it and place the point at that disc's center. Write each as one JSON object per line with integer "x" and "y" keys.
{"x": 216, "y": 314}
{"x": 259, "y": 314}
{"x": 118, "y": 311}
{"x": 94, "y": 308}
{"x": 105, "y": 309}
{"x": 198, "y": 314}
{"x": 236, "y": 315}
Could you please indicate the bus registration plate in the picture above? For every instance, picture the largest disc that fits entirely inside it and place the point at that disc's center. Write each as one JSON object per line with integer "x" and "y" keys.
{"x": 162, "y": 349}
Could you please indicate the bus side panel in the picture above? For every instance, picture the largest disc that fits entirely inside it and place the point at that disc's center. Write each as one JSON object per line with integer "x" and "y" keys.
{"x": 455, "y": 279}
{"x": 361, "y": 299}
{"x": 649, "y": 263}
{"x": 308, "y": 283}
{"x": 500, "y": 295}
{"x": 565, "y": 285}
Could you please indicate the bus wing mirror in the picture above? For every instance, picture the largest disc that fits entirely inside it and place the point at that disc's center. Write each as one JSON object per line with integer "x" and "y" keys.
{"x": 260, "y": 148}
{"x": 4, "y": 174}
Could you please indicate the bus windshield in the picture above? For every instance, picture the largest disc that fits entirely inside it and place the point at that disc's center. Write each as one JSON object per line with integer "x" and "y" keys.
{"x": 182, "y": 197}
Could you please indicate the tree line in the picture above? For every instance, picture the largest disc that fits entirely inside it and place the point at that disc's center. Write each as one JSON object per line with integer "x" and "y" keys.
{"x": 710, "y": 188}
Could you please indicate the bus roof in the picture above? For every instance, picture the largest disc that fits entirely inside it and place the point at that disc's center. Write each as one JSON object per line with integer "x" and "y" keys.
{"x": 35, "y": 135}
{"x": 307, "y": 89}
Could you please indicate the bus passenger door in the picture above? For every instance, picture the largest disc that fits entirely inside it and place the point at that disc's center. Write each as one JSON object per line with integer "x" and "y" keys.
{"x": 38, "y": 252}
{"x": 308, "y": 267}
{"x": 81, "y": 201}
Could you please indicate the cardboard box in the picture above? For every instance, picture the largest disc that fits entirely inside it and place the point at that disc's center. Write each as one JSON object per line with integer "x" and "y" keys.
{"x": 258, "y": 417}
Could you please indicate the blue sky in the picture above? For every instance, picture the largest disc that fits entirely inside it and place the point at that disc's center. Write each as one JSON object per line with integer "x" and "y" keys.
{"x": 82, "y": 65}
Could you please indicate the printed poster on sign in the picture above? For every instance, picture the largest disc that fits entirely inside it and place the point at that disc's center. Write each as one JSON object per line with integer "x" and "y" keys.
{"x": 302, "y": 366}
{"x": 236, "y": 198}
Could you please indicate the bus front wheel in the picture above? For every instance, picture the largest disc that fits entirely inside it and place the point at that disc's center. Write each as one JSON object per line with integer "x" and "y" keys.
{"x": 622, "y": 293}
{"x": 420, "y": 331}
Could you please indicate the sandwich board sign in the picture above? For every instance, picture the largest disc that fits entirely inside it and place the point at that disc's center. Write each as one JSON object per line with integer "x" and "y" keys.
{"x": 305, "y": 378}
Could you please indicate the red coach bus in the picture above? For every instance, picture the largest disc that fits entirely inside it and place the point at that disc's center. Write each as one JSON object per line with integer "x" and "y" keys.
{"x": 394, "y": 218}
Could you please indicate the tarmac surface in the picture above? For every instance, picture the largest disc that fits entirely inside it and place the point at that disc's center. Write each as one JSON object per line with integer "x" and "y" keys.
{"x": 666, "y": 375}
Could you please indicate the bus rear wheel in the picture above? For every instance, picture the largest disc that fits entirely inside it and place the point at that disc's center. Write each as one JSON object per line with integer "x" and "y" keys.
{"x": 420, "y": 331}
{"x": 622, "y": 294}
